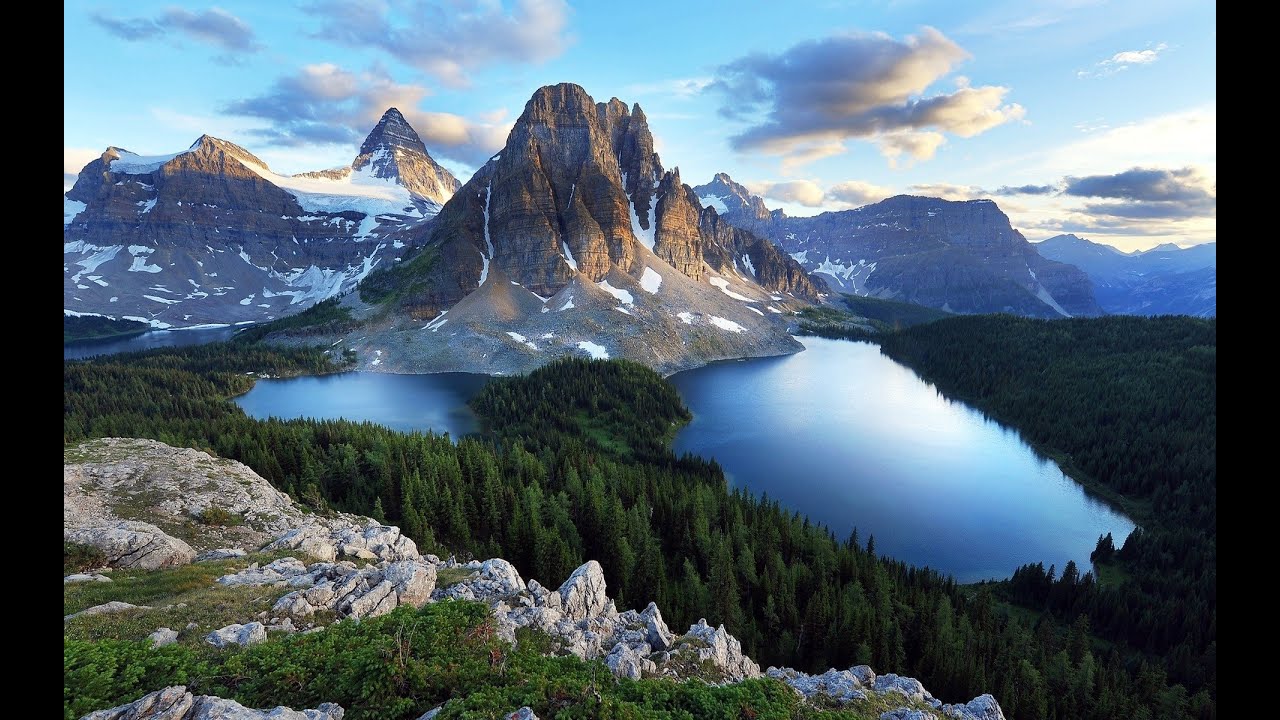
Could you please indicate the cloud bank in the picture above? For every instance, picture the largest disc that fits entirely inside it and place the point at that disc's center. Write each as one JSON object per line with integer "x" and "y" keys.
{"x": 445, "y": 38}
{"x": 215, "y": 27}
{"x": 805, "y": 102}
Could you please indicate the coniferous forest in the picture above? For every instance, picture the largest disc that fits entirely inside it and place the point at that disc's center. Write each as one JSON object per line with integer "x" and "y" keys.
{"x": 574, "y": 463}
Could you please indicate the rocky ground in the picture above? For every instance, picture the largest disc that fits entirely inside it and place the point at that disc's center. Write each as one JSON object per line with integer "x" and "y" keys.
{"x": 341, "y": 567}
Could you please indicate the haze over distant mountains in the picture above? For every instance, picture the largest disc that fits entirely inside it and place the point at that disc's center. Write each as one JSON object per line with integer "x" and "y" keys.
{"x": 1165, "y": 280}
{"x": 212, "y": 235}
{"x": 959, "y": 256}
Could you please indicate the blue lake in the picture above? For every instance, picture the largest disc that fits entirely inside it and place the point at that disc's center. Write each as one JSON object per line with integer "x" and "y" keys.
{"x": 853, "y": 439}
{"x": 149, "y": 340}
{"x": 839, "y": 432}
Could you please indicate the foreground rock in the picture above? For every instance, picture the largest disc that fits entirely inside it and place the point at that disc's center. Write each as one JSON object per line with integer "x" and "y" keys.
{"x": 133, "y": 544}
{"x": 187, "y": 496}
{"x": 175, "y": 703}
{"x": 579, "y": 614}
{"x": 244, "y": 635}
{"x": 369, "y": 592}
{"x": 114, "y": 606}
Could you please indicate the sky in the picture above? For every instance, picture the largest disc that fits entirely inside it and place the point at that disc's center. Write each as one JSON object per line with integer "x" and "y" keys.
{"x": 1092, "y": 117}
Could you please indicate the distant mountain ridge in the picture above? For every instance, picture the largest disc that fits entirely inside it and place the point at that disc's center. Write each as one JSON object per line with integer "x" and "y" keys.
{"x": 959, "y": 256}
{"x": 211, "y": 235}
{"x": 1165, "y": 280}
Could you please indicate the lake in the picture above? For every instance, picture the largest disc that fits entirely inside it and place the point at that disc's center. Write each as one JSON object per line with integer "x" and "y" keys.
{"x": 402, "y": 402}
{"x": 839, "y": 432}
{"x": 146, "y": 341}
{"x": 853, "y": 439}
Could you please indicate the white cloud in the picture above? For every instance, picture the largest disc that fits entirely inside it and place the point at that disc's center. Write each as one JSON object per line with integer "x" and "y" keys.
{"x": 855, "y": 193}
{"x": 807, "y": 101}
{"x": 800, "y": 192}
{"x": 448, "y": 39}
{"x": 1123, "y": 60}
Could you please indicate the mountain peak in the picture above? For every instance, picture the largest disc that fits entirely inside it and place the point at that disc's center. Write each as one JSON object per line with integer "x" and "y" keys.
{"x": 392, "y": 131}
{"x": 394, "y": 151}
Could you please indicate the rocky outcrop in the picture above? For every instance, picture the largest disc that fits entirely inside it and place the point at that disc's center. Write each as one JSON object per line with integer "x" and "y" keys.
{"x": 212, "y": 235}
{"x": 983, "y": 707}
{"x": 243, "y": 635}
{"x": 327, "y": 540}
{"x": 368, "y": 592}
{"x": 579, "y": 615}
{"x": 722, "y": 650}
{"x": 133, "y": 544}
{"x": 175, "y": 703}
{"x": 109, "y": 481}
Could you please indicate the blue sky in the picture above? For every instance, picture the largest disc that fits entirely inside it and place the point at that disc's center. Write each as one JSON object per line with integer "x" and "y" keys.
{"x": 1096, "y": 117}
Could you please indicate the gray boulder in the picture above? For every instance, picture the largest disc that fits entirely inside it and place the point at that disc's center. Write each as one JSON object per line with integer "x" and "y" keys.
{"x": 983, "y": 707}
{"x": 840, "y": 685}
{"x": 368, "y": 592}
{"x": 85, "y": 577}
{"x": 248, "y": 634}
{"x": 626, "y": 662}
{"x": 175, "y": 703}
{"x": 163, "y": 636}
{"x": 907, "y": 686}
{"x": 111, "y": 607}
{"x": 220, "y": 554}
{"x": 277, "y": 572}
{"x": 723, "y": 650}
{"x": 583, "y": 595}
{"x": 524, "y": 713}
{"x": 133, "y": 544}
{"x": 658, "y": 634}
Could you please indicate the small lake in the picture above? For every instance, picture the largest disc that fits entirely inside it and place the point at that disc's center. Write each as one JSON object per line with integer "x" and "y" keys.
{"x": 149, "y": 340}
{"x": 402, "y": 402}
{"x": 853, "y": 439}
{"x": 839, "y": 432}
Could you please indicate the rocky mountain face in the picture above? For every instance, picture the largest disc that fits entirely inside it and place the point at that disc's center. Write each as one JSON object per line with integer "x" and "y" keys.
{"x": 734, "y": 202}
{"x": 1165, "y": 280}
{"x": 574, "y": 236}
{"x": 959, "y": 256}
{"x": 151, "y": 480}
{"x": 212, "y": 235}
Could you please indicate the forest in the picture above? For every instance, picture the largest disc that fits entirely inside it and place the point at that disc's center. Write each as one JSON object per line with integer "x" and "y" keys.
{"x": 575, "y": 463}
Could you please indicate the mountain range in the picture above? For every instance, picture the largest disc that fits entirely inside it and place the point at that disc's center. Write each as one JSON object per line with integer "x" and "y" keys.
{"x": 962, "y": 257}
{"x": 212, "y": 235}
{"x": 1165, "y": 280}
{"x": 573, "y": 239}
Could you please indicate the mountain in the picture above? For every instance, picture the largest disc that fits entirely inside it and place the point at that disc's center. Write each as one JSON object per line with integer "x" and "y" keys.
{"x": 212, "y": 235}
{"x": 1165, "y": 280}
{"x": 734, "y": 202}
{"x": 958, "y": 256}
{"x": 574, "y": 239}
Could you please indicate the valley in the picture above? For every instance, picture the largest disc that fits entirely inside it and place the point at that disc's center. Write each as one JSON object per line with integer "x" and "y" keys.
{"x": 553, "y": 360}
